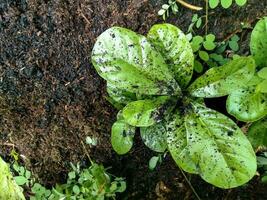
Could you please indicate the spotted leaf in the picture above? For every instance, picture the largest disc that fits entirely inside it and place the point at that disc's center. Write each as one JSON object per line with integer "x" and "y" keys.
{"x": 120, "y": 96}
{"x": 223, "y": 155}
{"x": 221, "y": 81}
{"x": 172, "y": 43}
{"x": 258, "y": 43}
{"x": 128, "y": 61}
{"x": 246, "y": 103}
{"x": 122, "y": 135}
{"x": 257, "y": 133}
{"x": 154, "y": 137}
{"x": 177, "y": 142}
{"x": 147, "y": 112}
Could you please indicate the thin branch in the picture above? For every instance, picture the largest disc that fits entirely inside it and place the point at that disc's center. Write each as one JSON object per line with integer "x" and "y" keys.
{"x": 190, "y": 6}
{"x": 86, "y": 152}
{"x": 207, "y": 17}
{"x": 190, "y": 185}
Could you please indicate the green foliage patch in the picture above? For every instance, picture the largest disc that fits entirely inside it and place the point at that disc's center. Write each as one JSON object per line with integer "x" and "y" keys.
{"x": 171, "y": 113}
{"x": 8, "y": 187}
{"x": 226, "y": 3}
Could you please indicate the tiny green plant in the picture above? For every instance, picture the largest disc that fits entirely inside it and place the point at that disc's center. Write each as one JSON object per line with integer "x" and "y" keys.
{"x": 149, "y": 78}
{"x": 167, "y": 8}
{"x": 210, "y": 53}
{"x": 172, "y": 6}
{"x": 196, "y": 22}
{"x": 25, "y": 179}
{"x": 89, "y": 184}
{"x": 93, "y": 183}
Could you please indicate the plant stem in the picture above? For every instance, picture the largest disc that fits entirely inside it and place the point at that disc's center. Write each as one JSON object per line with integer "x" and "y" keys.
{"x": 207, "y": 17}
{"x": 190, "y": 6}
{"x": 190, "y": 185}
{"x": 86, "y": 152}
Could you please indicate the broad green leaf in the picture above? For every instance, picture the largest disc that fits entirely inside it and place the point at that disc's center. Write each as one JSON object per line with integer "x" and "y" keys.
{"x": 20, "y": 180}
{"x": 226, "y": 3}
{"x": 262, "y": 87}
{"x": 204, "y": 55}
{"x": 128, "y": 61}
{"x": 199, "y": 22}
{"x": 172, "y": 43}
{"x": 210, "y": 37}
{"x": 198, "y": 67}
{"x": 257, "y": 133}
{"x": 154, "y": 137}
{"x": 161, "y": 12}
{"x": 208, "y": 45}
{"x": 196, "y": 43}
{"x": 235, "y": 38}
{"x": 122, "y": 136}
{"x": 147, "y": 112}
{"x": 153, "y": 162}
{"x": 119, "y": 95}
{"x": 213, "y": 3}
{"x": 76, "y": 189}
{"x": 221, "y": 81}
{"x": 263, "y": 73}
{"x": 234, "y": 45}
{"x": 258, "y": 43}
{"x": 246, "y": 104}
{"x": 8, "y": 187}
{"x": 241, "y": 2}
{"x": 223, "y": 155}
{"x": 195, "y": 18}
{"x": 177, "y": 142}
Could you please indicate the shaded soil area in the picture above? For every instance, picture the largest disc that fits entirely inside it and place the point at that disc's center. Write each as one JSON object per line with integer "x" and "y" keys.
{"x": 51, "y": 97}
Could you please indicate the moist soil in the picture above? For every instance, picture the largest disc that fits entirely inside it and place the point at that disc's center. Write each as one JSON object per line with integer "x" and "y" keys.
{"x": 51, "y": 98}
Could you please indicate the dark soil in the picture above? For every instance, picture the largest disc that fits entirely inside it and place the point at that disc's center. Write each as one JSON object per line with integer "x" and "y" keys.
{"x": 52, "y": 98}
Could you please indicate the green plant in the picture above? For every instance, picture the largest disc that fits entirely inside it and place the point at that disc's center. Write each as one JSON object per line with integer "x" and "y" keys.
{"x": 166, "y": 8}
{"x": 172, "y": 6}
{"x": 201, "y": 46}
{"x": 225, "y": 3}
{"x": 26, "y": 180}
{"x": 155, "y": 160}
{"x": 196, "y": 22}
{"x": 93, "y": 183}
{"x": 8, "y": 187}
{"x": 150, "y": 77}
{"x": 249, "y": 102}
{"x": 210, "y": 53}
{"x": 24, "y": 175}
{"x": 231, "y": 44}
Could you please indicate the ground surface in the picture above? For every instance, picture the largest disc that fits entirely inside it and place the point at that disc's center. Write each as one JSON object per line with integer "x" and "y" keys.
{"x": 52, "y": 98}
